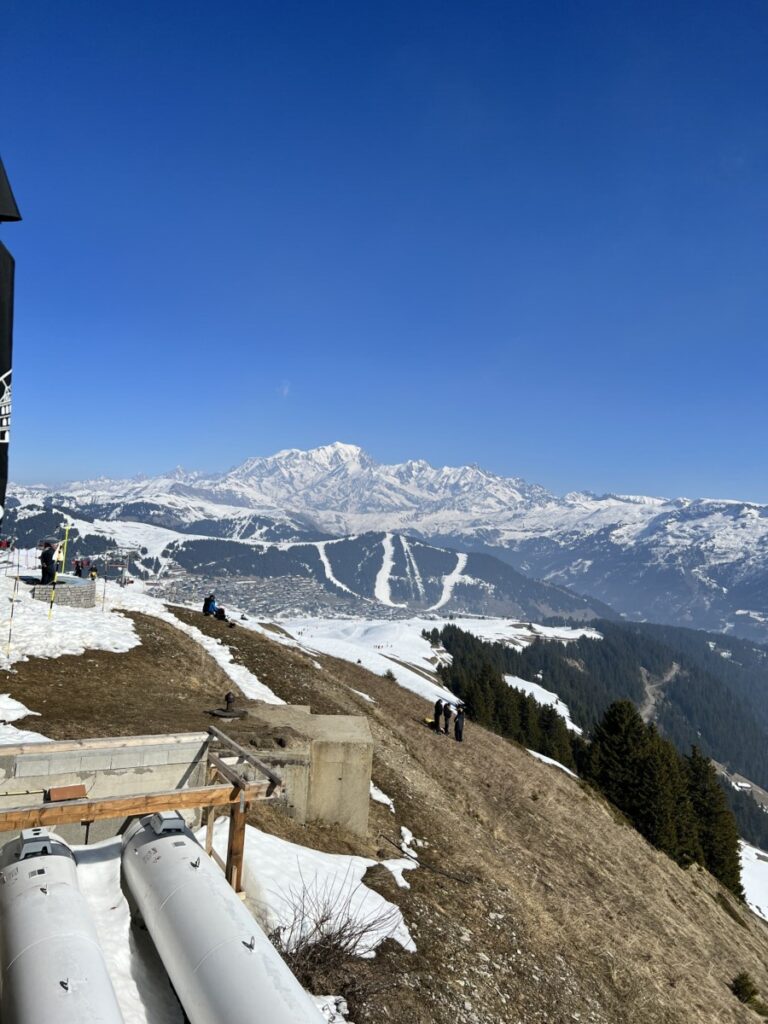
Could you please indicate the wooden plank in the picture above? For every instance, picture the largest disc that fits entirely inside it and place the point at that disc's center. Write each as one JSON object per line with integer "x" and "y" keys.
{"x": 59, "y": 793}
{"x": 247, "y": 755}
{"x": 218, "y": 860}
{"x": 236, "y": 847}
{"x": 227, "y": 771}
{"x": 73, "y": 811}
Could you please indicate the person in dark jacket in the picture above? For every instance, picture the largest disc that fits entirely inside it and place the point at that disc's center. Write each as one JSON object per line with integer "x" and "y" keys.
{"x": 209, "y": 605}
{"x": 46, "y": 563}
{"x": 438, "y": 715}
{"x": 447, "y": 715}
{"x": 458, "y": 725}
{"x": 78, "y": 568}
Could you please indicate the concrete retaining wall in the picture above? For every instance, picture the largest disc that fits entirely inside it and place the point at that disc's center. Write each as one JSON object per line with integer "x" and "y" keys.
{"x": 325, "y": 762}
{"x": 118, "y": 766}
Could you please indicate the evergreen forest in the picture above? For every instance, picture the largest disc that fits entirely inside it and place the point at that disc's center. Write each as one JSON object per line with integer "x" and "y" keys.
{"x": 675, "y": 800}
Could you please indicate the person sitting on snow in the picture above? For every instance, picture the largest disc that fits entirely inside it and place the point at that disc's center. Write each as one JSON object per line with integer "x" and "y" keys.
{"x": 209, "y": 605}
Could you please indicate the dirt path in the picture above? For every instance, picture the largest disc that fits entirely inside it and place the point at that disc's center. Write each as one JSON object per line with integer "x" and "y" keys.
{"x": 654, "y": 691}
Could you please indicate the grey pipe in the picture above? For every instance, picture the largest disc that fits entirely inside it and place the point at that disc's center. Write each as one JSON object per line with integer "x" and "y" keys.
{"x": 222, "y": 965}
{"x": 52, "y": 968}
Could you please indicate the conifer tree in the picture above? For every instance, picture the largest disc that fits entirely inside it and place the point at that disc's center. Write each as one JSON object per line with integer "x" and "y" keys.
{"x": 716, "y": 825}
{"x": 687, "y": 843}
{"x": 654, "y": 812}
{"x": 615, "y": 761}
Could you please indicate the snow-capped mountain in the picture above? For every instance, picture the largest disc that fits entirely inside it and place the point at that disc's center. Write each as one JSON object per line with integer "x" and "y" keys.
{"x": 698, "y": 562}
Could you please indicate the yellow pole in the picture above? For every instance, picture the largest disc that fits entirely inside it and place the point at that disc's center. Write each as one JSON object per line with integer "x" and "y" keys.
{"x": 56, "y": 571}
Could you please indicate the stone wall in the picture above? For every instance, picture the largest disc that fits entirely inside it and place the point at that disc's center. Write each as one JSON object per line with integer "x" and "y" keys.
{"x": 73, "y": 595}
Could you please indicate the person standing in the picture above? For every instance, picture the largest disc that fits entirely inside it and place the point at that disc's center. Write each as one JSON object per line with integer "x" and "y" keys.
{"x": 46, "y": 563}
{"x": 438, "y": 715}
{"x": 447, "y": 715}
{"x": 458, "y": 725}
{"x": 78, "y": 568}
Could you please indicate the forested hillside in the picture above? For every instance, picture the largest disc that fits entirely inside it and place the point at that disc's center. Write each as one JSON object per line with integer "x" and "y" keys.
{"x": 670, "y": 793}
{"x": 701, "y": 697}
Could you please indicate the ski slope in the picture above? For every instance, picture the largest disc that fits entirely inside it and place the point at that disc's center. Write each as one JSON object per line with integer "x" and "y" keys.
{"x": 397, "y": 646}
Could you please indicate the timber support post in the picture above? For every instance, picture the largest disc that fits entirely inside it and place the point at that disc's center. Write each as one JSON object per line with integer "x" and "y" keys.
{"x": 236, "y": 848}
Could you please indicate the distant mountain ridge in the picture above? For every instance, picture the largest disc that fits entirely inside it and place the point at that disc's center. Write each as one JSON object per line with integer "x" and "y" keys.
{"x": 694, "y": 562}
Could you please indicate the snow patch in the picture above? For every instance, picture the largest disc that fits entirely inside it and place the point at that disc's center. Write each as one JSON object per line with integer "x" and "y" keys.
{"x": 544, "y": 697}
{"x": 551, "y": 761}
{"x": 381, "y": 798}
{"x": 277, "y": 872}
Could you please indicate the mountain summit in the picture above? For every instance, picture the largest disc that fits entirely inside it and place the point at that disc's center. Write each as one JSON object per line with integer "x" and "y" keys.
{"x": 695, "y": 562}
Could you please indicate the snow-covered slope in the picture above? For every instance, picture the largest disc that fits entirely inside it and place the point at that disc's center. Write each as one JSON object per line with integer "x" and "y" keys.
{"x": 699, "y": 562}
{"x": 400, "y": 649}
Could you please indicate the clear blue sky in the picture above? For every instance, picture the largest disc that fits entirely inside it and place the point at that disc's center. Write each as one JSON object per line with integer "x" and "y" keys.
{"x": 528, "y": 235}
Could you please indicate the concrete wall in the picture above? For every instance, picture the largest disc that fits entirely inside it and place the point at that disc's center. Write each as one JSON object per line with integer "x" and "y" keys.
{"x": 325, "y": 762}
{"x": 116, "y": 766}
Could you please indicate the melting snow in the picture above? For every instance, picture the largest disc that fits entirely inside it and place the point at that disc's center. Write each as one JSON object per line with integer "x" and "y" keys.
{"x": 545, "y": 697}
{"x": 133, "y": 599}
{"x": 551, "y": 761}
{"x": 754, "y": 878}
{"x": 381, "y": 797}
{"x": 276, "y": 873}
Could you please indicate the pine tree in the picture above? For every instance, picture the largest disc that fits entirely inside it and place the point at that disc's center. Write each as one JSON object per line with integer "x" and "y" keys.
{"x": 688, "y": 845}
{"x": 616, "y": 756}
{"x": 716, "y": 825}
{"x": 654, "y": 813}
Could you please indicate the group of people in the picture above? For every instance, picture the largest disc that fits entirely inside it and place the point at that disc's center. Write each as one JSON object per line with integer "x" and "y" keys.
{"x": 52, "y": 561}
{"x": 444, "y": 712}
{"x": 84, "y": 565}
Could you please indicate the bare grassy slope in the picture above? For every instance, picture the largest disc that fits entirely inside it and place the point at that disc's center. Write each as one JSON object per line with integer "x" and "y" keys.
{"x": 535, "y": 903}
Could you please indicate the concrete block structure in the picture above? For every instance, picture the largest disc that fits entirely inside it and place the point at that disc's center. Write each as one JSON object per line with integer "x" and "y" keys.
{"x": 325, "y": 762}
{"x": 110, "y": 767}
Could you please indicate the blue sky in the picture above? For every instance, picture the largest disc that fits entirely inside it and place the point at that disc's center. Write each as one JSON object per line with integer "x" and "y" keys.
{"x": 528, "y": 235}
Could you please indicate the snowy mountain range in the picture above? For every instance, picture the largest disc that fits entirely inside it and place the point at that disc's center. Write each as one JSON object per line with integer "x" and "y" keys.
{"x": 696, "y": 562}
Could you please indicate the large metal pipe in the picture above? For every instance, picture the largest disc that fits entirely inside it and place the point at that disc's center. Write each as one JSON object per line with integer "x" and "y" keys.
{"x": 222, "y": 965}
{"x": 51, "y": 965}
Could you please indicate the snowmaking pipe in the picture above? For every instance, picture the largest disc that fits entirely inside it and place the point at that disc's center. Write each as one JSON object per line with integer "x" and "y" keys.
{"x": 221, "y": 964}
{"x": 52, "y": 968}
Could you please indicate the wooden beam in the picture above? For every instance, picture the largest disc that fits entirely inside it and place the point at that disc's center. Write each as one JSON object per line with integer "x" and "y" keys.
{"x": 245, "y": 754}
{"x": 236, "y": 847}
{"x": 227, "y": 771}
{"x": 72, "y": 811}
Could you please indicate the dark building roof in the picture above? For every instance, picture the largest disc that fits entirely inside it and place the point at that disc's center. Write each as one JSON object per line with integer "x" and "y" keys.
{"x": 8, "y": 208}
